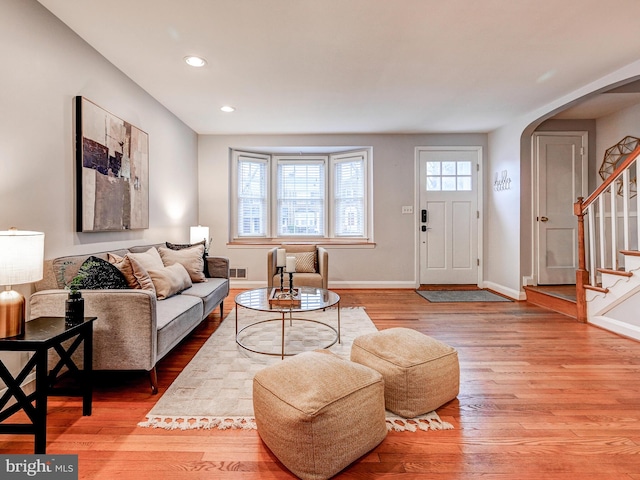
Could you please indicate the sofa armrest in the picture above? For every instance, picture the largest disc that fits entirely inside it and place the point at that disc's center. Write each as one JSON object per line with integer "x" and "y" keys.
{"x": 125, "y": 332}
{"x": 323, "y": 266}
{"x": 218, "y": 267}
{"x": 272, "y": 269}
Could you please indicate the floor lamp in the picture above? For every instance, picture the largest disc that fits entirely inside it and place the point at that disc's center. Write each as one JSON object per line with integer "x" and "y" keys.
{"x": 21, "y": 261}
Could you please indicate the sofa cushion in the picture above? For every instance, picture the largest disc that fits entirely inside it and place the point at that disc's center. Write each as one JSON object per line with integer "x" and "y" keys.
{"x": 180, "y": 246}
{"x": 212, "y": 293}
{"x": 149, "y": 259}
{"x": 176, "y": 316}
{"x": 96, "y": 273}
{"x": 191, "y": 258}
{"x": 170, "y": 280}
{"x": 306, "y": 262}
{"x": 134, "y": 273}
{"x": 64, "y": 269}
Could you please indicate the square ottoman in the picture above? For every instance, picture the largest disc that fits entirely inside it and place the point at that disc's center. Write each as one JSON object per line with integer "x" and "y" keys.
{"x": 420, "y": 373}
{"x": 318, "y": 413}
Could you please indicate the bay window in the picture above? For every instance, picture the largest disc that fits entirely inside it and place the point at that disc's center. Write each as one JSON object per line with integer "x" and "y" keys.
{"x": 298, "y": 197}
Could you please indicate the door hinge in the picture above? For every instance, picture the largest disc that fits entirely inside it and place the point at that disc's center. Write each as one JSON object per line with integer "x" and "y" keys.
{"x": 477, "y": 213}
{"x": 478, "y": 261}
{"x": 477, "y": 167}
{"x": 581, "y": 150}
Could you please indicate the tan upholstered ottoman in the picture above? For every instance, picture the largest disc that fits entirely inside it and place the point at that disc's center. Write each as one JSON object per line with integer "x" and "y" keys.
{"x": 420, "y": 373}
{"x": 318, "y": 412}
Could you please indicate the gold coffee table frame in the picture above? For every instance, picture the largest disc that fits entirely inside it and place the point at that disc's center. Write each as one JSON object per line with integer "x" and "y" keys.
{"x": 311, "y": 299}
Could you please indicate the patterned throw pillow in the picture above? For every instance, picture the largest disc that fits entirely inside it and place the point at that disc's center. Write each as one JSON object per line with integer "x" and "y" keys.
{"x": 182, "y": 246}
{"x": 96, "y": 273}
{"x": 306, "y": 262}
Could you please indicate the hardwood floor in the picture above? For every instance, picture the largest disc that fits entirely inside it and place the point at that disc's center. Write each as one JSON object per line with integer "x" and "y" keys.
{"x": 542, "y": 396}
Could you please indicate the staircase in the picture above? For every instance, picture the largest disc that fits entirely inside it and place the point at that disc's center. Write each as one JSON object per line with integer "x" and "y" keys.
{"x": 608, "y": 277}
{"x": 559, "y": 299}
{"x": 615, "y": 304}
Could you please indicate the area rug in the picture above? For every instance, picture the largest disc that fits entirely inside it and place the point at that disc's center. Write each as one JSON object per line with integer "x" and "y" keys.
{"x": 215, "y": 388}
{"x": 452, "y": 296}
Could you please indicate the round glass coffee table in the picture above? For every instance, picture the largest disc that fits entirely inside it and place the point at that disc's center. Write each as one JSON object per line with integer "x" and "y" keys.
{"x": 308, "y": 300}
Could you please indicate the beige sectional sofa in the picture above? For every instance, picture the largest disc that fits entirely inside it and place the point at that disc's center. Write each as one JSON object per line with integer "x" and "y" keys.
{"x": 134, "y": 329}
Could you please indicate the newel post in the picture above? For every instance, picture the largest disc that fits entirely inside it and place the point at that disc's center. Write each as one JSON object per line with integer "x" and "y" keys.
{"x": 582, "y": 274}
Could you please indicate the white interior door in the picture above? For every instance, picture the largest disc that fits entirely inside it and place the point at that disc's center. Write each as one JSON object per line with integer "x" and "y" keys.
{"x": 448, "y": 214}
{"x": 562, "y": 178}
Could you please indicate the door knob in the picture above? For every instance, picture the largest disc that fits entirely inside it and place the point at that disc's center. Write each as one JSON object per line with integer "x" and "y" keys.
{"x": 544, "y": 219}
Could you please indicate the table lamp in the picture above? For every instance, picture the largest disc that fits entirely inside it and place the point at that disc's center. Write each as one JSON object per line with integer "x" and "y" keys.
{"x": 199, "y": 233}
{"x": 21, "y": 261}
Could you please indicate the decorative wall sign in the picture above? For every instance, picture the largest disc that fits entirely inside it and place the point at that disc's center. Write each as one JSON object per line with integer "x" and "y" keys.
{"x": 502, "y": 181}
{"x": 112, "y": 171}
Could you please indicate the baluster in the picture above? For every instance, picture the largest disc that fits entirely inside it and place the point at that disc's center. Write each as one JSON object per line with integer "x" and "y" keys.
{"x": 614, "y": 227}
{"x": 602, "y": 233}
{"x": 591, "y": 251}
{"x": 637, "y": 209}
{"x": 625, "y": 207}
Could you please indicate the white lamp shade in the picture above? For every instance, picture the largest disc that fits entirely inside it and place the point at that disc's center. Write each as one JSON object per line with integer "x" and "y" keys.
{"x": 21, "y": 256}
{"x": 198, "y": 234}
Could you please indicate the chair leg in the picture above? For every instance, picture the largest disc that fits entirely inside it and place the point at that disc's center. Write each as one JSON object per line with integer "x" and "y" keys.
{"x": 153, "y": 378}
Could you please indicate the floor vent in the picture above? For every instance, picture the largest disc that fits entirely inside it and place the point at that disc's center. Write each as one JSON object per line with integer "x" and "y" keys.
{"x": 238, "y": 272}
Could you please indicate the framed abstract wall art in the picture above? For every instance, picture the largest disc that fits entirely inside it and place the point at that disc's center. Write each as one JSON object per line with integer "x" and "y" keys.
{"x": 112, "y": 171}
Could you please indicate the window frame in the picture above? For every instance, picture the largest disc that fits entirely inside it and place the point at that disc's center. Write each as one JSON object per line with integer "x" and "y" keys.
{"x": 334, "y": 161}
{"x": 239, "y": 156}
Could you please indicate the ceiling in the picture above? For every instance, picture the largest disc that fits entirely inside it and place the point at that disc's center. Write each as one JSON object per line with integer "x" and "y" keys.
{"x": 358, "y": 66}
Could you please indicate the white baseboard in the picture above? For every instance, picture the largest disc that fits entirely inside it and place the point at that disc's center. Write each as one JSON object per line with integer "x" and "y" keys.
{"x": 509, "y": 292}
{"x": 616, "y": 326}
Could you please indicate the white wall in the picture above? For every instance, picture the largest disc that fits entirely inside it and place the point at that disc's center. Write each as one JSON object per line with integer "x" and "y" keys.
{"x": 45, "y": 65}
{"x": 509, "y": 229}
{"x": 392, "y": 263}
{"x": 613, "y": 128}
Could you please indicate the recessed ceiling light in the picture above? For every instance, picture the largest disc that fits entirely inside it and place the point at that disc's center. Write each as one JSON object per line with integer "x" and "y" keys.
{"x": 227, "y": 109}
{"x": 195, "y": 61}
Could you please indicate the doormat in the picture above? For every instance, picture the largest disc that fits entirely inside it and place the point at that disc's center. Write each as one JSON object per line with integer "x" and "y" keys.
{"x": 453, "y": 296}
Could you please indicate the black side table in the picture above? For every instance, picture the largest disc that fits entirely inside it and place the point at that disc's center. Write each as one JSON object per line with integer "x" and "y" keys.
{"x": 39, "y": 336}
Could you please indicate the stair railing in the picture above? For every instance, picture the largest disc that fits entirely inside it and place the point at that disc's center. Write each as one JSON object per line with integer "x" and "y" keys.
{"x": 602, "y": 244}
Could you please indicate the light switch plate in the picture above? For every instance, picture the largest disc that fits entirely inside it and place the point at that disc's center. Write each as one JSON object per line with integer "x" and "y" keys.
{"x": 407, "y": 209}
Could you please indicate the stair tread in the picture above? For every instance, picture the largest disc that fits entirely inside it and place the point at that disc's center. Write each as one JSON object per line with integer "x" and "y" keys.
{"x": 633, "y": 253}
{"x": 620, "y": 273}
{"x": 596, "y": 289}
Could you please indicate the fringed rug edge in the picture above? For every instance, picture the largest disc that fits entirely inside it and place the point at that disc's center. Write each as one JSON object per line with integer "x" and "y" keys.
{"x": 429, "y": 421}
{"x": 194, "y": 423}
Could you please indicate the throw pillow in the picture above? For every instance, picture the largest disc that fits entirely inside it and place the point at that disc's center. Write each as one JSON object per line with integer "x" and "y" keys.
{"x": 190, "y": 258}
{"x": 170, "y": 280}
{"x": 150, "y": 260}
{"x": 96, "y": 273}
{"x": 134, "y": 273}
{"x": 181, "y": 246}
{"x": 306, "y": 262}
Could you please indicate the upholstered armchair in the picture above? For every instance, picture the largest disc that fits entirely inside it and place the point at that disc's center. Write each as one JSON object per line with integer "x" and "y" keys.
{"x": 312, "y": 266}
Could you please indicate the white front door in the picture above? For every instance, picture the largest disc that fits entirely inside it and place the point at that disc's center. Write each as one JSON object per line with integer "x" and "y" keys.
{"x": 561, "y": 159}
{"x": 448, "y": 215}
